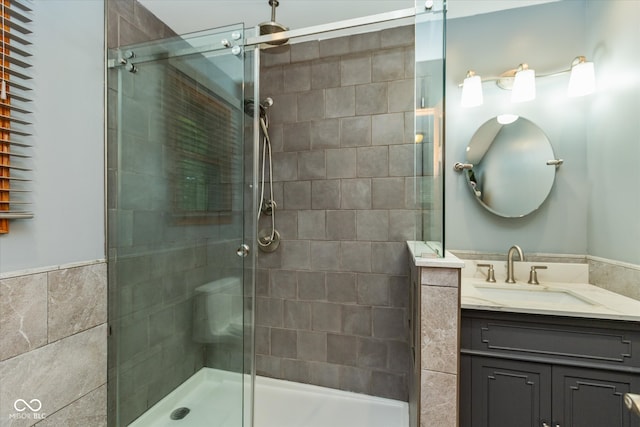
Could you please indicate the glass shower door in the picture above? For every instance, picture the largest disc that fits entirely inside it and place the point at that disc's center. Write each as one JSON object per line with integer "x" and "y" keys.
{"x": 429, "y": 123}
{"x": 180, "y": 183}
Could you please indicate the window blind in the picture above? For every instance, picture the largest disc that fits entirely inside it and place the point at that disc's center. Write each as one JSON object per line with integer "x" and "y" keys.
{"x": 15, "y": 109}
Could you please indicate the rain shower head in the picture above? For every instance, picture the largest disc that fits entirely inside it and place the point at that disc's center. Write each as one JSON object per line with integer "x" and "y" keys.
{"x": 272, "y": 26}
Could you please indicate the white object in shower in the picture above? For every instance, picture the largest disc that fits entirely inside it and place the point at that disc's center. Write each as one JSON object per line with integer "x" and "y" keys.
{"x": 217, "y": 311}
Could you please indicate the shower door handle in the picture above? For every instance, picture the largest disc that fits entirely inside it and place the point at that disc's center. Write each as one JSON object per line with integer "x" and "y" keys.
{"x": 243, "y": 250}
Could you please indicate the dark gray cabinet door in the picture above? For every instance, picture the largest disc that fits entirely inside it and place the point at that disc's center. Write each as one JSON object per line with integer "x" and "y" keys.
{"x": 510, "y": 393}
{"x": 592, "y": 398}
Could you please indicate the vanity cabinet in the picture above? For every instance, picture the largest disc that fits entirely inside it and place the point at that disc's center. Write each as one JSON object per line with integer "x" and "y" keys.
{"x": 522, "y": 370}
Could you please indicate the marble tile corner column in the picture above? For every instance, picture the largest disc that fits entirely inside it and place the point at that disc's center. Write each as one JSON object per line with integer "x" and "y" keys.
{"x": 439, "y": 352}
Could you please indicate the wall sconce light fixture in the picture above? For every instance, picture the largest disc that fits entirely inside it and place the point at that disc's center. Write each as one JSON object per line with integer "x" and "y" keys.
{"x": 582, "y": 80}
{"x": 521, "y": 81}
{"x": 524, "y": 84}
{"x": 472, "y": 90}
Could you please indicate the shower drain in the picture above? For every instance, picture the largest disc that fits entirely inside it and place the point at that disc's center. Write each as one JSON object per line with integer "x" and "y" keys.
{"x": 180, "y": 413}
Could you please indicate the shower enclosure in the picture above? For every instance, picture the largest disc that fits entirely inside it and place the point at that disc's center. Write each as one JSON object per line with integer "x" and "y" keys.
{"x": 181, "y": 193}
{"x": 184, "y": 193}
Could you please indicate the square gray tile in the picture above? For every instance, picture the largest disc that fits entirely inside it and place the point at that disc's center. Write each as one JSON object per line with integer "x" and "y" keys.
{"x": 312, "y": 165}
{"x": 402, "y": 159}
{"x": 356, "y": 320}
{"x": 297, "y": 77}
{"x": 325, "y": 194}
{"x": 283, "y": 284}
{"x": 372, "y": 353}
{"x": 388, "y": 193}
{"x": 341, "y": 225}
{"x": 326, "y": 317}
{"x": 305, "y": 51}
{"x": 373, "y": 289}
{"x": 341, "y": 163}
{"x": 297, "y": 315}
{"x": 325, "y": 73}
{"x": 325, "y": 256}
{"x": 355, "y": 69}
{"x": 340, "y": 102}
{"x": 296, "y": 136}
{"x": 371, "y": 99}
{"x": 311, "y": 224}
{"x": 355, "y": 131}
{"x": 372, "y": 225}
{"x": 356, "y": 193}
{"x": 312, "y": 346}
{"x": 311, "y": 285}
{"x": 284, "y": 343}
{"x": 387, "y": 129}
{"x": 390, "y": 323}
{"x": 356, "y": 256}
{"x": 388, "y": 65}
{"x": 373, "y": 161}
{"x": 325, "y": 134}
{"x": 342, "y": 349}
{"x": 341, "y": 287}
{"x": 295, "y": 254}
{"x": 311, "y": 105}
{"x": 297, "y": 195}
{"x": 402, "y": 95}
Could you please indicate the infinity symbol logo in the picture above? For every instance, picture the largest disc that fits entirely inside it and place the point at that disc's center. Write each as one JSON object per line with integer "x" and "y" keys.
{"x": 21, "y": 405}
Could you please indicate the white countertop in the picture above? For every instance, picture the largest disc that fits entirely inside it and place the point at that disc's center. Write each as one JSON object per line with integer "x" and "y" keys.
{"x": 424, "y": 255}
{"x": 563, "y": 291}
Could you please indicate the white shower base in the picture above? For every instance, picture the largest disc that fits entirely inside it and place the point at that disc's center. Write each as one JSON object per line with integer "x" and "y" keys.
{"x": 214, "y": 398}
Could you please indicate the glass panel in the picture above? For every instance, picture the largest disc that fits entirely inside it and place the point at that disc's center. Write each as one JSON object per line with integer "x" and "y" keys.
{"x": 180, "y": 199}
{"x": 429, "y": 124}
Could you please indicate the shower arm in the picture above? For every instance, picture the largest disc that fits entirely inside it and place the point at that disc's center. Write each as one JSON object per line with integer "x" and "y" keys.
{"x": 273, "y": 4}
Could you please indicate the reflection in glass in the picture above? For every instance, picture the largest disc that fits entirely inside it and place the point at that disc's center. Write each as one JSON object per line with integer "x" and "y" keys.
{"x": 510, "y": 175}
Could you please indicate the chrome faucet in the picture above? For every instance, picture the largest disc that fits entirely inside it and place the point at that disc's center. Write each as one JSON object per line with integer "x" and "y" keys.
{"x": 512, "y": 249}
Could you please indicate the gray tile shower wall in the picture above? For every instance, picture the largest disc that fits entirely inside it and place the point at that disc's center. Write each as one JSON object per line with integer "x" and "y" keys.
{"x": 332, "y": 300}
{"x": 53, "y": 347}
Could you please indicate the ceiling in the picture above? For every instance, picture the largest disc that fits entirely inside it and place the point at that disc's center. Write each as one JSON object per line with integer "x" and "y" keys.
{"x": 185, "y": 16}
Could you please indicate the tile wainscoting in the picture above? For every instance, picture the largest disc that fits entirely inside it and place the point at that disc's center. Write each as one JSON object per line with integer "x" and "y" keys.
{"x": 53, "y": 346}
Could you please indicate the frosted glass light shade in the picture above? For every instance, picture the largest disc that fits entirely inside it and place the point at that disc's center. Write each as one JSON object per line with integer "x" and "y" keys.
{"x": 582, "y": 80}
{"x": 507, "y": 119}
{"x": 524, "y": 86}
{"x": 472, "y": 92}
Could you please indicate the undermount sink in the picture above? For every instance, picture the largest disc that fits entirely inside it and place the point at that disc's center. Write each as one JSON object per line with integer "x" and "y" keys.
{"x": 532, "y": 295}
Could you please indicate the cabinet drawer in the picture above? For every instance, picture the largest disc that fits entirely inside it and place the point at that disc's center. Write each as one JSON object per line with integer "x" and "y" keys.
{"x": 583, "y": 342}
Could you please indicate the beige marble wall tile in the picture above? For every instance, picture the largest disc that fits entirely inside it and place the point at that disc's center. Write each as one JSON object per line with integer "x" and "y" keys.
{"x": 56, "y": 374}
{"x": 433, "y": 276}
{"x": 439, "y": 329}
{"x": 23, "y": 314}
{"x": 88, "y": 411}
{"x": 439, "y": 400}
{"x": 77, "y": 299}
{"x": 624, "y": 280}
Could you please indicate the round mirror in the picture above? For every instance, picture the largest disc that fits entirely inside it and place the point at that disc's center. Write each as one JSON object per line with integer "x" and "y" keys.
{"x": 511, "y": 176}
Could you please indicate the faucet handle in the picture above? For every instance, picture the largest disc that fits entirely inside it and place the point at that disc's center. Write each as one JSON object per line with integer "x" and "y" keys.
{"x": 533, "y": 274}
{"x": 491, "y": 277}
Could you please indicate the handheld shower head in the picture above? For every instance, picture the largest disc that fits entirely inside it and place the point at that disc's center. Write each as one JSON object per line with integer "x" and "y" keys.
{"x": 250, "y": 105}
